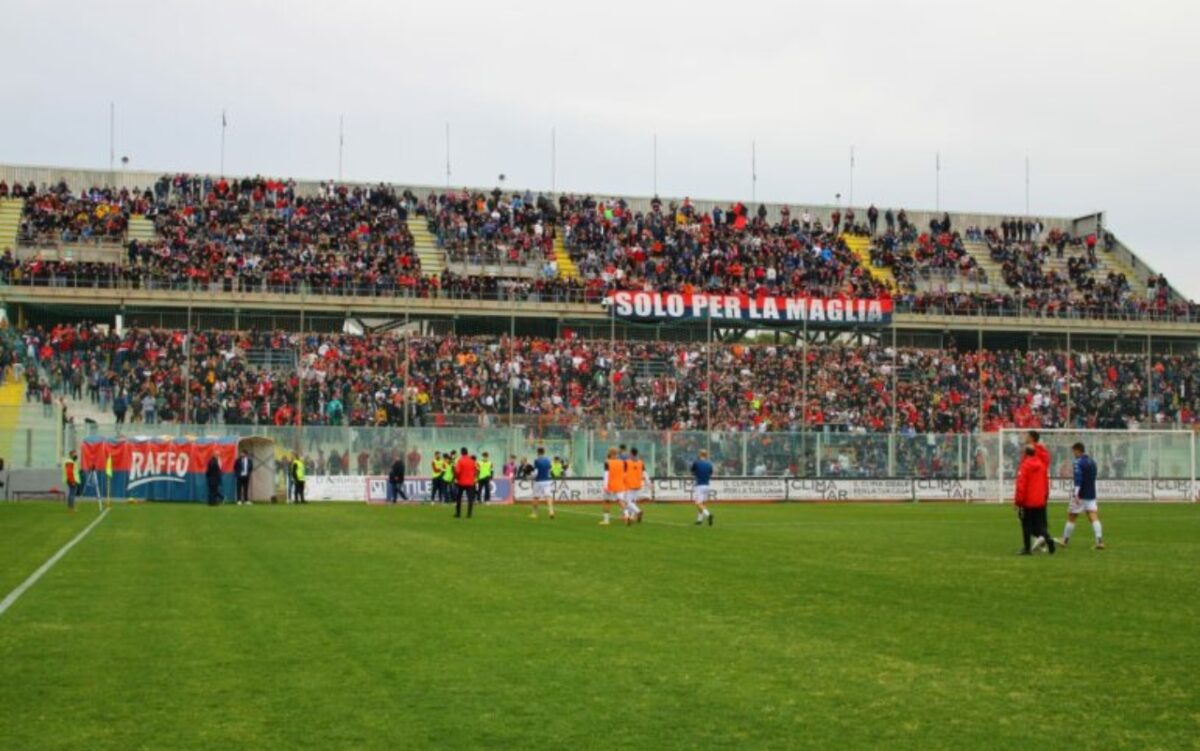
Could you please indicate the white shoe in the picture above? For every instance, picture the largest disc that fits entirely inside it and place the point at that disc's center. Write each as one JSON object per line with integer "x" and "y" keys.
{"x": 1039, "y": 543}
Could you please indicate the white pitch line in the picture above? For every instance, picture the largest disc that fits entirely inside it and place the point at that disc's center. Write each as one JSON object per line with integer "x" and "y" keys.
{"x": 12, "y": 597}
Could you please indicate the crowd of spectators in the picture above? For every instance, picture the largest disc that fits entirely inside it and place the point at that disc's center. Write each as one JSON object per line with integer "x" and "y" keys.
{"x": 494, "y": 228}
{"x": 677, "y": 248}
{"x": 260, "y": 235}
{"x": 141, "y": 376}
{"x": 57, "y": 215}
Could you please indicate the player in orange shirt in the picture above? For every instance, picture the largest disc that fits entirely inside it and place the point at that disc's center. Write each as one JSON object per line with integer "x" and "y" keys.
{"x": 635, "y": 470}
{"x": 614, "y": 484}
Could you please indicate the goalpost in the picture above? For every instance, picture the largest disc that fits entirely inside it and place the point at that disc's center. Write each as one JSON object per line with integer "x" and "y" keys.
{"x": 1132, "y": 465}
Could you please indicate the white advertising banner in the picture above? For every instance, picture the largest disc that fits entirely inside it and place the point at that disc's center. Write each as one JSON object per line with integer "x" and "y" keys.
{"x": 1173, "y": 490}
{"x": 930, "y": 489}
{"x": 1061, "y": 489}
{"x": 839, "y": 489}
{"x": 567, "y": 490}
{"x": 724, "y": 489}
{"x": 336, "y": 488}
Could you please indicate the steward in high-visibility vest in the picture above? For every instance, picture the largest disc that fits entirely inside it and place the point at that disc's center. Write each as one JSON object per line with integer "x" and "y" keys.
{"x": 556, "y": 468}
{"x": 448, "y": 470}
{"x": 484, "y": 483}
{"x": 108, "y": 476}
{"x": 72, "y": 478}
{"x": 436, "y": 487}
{"x": 298, "y": 476}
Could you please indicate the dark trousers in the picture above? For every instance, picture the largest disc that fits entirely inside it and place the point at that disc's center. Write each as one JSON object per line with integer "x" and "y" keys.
{"x": 298, "y": 490}
{"x": 396, "y": 491}
{"x": 483, "y": 491}
{"x": 435, "y": 489}
{"x": 243, "y": 488}
{"x": 214, "y": 494}
{"x": 459, "y": 492}
{"x": 1035, "y": 523}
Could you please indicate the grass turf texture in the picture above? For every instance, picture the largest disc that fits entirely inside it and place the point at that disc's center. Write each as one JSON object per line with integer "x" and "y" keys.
{"x": 338, "y": 626}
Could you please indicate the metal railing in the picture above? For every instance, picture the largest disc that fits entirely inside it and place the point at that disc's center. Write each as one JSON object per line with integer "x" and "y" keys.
{"x": 557, "y": 291}
{"x": 814, "y": 454}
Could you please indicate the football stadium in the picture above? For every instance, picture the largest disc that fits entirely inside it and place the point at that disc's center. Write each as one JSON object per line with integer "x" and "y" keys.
{"x": 390, "y": 458}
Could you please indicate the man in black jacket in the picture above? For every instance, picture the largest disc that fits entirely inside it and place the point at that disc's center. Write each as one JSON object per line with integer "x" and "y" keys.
{"x": 242, "y": 469}
{"x": 395, "y": 488}
{"x": 213, "y": 475}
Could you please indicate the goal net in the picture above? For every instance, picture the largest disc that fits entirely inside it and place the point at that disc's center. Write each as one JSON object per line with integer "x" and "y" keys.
{"x": 1131, "y": 465}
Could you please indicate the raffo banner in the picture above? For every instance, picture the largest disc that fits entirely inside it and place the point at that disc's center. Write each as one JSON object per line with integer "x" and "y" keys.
{"x": 156, "y": 469}
{"x": 762, "y": 309}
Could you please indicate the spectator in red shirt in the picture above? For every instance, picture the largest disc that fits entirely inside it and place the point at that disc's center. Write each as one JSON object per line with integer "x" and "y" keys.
{"x": 466, "y": 474}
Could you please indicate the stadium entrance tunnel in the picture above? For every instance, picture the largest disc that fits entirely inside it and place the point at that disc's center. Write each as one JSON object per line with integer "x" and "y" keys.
{"x": 262, "y": 478}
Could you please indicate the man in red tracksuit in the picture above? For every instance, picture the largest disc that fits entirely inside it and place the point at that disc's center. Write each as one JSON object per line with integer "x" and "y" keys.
{"x": 1032, "y": 493}
{"x": 466, "y": 475}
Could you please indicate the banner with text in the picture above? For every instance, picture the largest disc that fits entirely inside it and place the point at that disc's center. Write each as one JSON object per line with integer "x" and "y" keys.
{"x": 813, "y": 489}
{"x": 759, "y": 309}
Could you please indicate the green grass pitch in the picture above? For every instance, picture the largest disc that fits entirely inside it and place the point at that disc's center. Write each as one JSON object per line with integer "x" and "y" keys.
{"x": 341, "y": 626}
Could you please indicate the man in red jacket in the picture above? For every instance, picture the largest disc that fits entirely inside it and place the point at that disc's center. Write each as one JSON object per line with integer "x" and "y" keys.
{"x": 466, "y": 475}
{"x": 1032, "y": 492}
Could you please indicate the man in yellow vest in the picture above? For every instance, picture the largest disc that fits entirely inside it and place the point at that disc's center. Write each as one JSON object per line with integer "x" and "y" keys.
{"x": 448, "y": 485}
{"x": 485, "y": 479}
{"x": 108, "y": 478}
{"x": 298, "y": 476}
{"x": 72, "y": 478}
{"x": 556, "y": 468}
{"x": 435, "y": 485}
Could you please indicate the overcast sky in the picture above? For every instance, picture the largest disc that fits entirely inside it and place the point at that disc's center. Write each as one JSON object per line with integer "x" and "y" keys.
{"x": 1101, "y": 96}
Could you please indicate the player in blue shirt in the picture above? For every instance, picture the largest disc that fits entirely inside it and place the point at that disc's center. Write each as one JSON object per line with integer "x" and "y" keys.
{"x": 1083, "y": 499}
{"x": 702, "y": 471}
{"x": 543, "y": 485}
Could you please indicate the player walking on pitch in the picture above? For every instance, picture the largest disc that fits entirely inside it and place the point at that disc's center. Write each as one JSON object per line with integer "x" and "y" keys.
{"x": 542, "y": 484}
{"x": 635, "y": 469}
{"x": 1084, "y": 498}
{"x": 614, "y": 485}
{"x": 702, "y": 471}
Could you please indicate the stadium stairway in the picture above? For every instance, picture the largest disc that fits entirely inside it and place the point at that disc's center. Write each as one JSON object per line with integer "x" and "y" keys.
{"x": 861, "y": 247}
{"x": 10, "y": 221}
{"x": 141, "y": 229}
{"x": 433, "y": 260}
{"x": 566, "y": 267}
{"x": 12, "y": 394}
{"x": 1107, "y": 263}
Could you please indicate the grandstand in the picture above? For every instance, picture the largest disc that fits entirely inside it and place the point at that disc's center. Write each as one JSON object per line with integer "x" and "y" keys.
{"x": 429, "y": 310}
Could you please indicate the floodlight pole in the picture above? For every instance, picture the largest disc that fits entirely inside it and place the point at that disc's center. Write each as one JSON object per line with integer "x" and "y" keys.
{"x": 895, "y": 398}
{"x": 851, "y": 203}
{"x": 753, "y": 172}
{"x": 656, "y": 164}
{"x": 937, "y": 181}
{"x": 612, "y": 366}
{"x": 187, "y": 373}
{"x": 300, "y": 383}
{"x": 708, "y": 375}
{"x": 404, "y": 400}
{"x": 112, "y": 136}
{"x": 341, "y": 143}
{"x": 1070, "y": 371}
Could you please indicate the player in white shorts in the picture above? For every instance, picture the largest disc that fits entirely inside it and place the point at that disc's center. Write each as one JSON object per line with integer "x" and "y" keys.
{"x": 543, "y": 483}
{"x": 702, "y": 470}
{"x": 635, "y": 481}
{"x": 1083, "y": 498}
